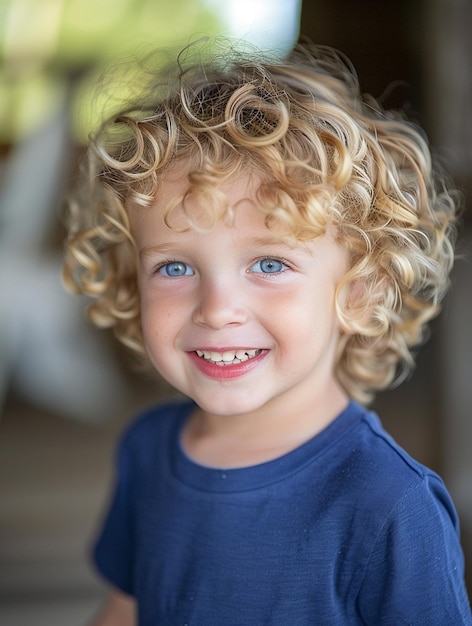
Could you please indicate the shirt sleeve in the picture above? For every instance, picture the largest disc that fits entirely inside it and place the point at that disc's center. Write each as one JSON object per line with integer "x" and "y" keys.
{"x": 415, "y": 574}
{"x": 114, "y": 549}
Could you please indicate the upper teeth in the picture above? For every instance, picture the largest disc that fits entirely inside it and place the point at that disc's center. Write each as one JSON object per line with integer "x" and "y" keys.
{"x": 230, "y": 356}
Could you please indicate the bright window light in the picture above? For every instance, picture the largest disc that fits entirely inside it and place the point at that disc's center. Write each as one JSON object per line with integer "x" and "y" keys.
{"x": 271, "y": 25}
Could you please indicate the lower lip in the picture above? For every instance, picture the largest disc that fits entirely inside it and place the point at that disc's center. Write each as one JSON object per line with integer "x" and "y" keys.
{"x": 226, "y": 372}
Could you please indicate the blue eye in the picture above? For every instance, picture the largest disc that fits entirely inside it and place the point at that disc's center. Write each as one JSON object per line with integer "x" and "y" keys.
{"x": 176, "y": 269}
{"x": 268, "y": 266}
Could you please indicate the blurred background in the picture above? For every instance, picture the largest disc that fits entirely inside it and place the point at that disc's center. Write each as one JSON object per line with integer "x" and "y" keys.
{"x": 66, "y": 389}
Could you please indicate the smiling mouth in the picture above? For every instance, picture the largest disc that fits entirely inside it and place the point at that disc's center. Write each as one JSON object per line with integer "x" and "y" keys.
{"x": 230, "y": 357}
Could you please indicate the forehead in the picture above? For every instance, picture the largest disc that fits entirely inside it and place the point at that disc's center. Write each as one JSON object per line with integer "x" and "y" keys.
{"x": 196, "y": 200}
{"x": 199, "y": 200}
{"x": 181, "y": 180}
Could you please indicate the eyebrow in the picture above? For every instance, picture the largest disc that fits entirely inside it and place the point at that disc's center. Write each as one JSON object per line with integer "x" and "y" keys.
{"x": 159, "y": 248}
{"x": 269, "y": 240}
{"x": 167, "y": 246}
{"x": 274, "y": 241}
{"x": 258, "y": 242}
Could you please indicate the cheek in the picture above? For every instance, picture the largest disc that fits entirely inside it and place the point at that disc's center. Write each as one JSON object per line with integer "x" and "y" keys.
{"x": 292, "y": 319}
{"x": 157, "y": 320}
{"x": 311, "y": 321}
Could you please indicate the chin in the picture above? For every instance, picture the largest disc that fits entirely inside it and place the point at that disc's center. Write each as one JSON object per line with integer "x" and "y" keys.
{"x": 227, "y": 408}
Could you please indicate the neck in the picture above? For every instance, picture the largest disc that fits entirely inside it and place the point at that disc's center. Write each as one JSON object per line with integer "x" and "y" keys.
{"x": 231, "y": 441}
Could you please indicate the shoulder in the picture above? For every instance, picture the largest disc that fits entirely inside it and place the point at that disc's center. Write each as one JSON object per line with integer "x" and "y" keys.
{"x": 157, "y": 418}
{"x": 388, "y": 480}
{"x": 409, "y": 525}
{"x": 151, "y": 431}
{"x": 391, "y": 462}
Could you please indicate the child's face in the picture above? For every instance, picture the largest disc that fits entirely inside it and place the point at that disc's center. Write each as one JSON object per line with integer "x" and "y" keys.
{"x": 237, "y": 294}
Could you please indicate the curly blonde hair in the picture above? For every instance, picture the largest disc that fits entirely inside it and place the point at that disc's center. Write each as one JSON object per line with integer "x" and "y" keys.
{"x": 325, "y": 155}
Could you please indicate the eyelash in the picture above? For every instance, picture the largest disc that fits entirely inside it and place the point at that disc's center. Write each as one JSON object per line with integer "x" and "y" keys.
{"x": 285, "y": 265}
{"x": 168, "y": 262}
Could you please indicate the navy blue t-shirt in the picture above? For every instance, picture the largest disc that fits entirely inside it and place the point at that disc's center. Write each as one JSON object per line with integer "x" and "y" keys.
{"x": 346, "y": 529}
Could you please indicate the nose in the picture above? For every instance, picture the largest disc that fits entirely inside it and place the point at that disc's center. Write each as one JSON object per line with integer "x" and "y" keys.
{"x": 221, "y": 303}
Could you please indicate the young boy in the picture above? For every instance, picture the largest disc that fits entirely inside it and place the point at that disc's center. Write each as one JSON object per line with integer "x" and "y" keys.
{"x": 275, "y": 247}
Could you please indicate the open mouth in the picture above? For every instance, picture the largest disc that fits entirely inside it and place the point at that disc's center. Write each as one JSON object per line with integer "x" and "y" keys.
{"x": 230, "y": 357}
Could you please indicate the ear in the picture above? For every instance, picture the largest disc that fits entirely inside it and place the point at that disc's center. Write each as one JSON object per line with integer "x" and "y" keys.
{"x": 367, "y": 307}
{"x": 356, "y": 307}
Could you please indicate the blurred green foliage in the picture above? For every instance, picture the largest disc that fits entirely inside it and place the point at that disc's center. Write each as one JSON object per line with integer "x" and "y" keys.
{"x": 50, "y": 47}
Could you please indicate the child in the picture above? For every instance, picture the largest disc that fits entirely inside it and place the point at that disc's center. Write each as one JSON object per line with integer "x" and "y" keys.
{"x": 275, "y": 246}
